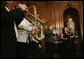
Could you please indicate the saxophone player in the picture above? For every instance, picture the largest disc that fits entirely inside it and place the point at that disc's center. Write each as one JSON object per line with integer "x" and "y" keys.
{"x": 9, "y": 15}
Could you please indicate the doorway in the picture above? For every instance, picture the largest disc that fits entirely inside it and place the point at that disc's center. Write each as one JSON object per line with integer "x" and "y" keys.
{"x": 73, "y": 13}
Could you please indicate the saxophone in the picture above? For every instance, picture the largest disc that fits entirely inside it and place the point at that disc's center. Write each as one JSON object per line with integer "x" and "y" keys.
{"x": 41, "y": 35}
{"x": 39, "y": 23}
{"x": 38, "y": 35}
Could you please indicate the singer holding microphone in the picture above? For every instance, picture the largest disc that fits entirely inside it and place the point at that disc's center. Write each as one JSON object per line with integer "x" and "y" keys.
{"x": 9, "y": 15}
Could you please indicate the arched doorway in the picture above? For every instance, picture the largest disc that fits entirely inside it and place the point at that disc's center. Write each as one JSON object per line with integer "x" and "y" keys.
{"x": 73, "y": 13}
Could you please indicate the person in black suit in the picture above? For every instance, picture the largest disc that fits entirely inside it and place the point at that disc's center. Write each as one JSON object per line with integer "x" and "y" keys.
{"x": 65, "y": 36}
{"x": 68, "y": 44}
{"x": 50, "y": 42}
{"x": 8, "y": 36}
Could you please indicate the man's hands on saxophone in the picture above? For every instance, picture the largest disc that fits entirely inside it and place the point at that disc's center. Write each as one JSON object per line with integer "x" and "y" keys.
{"x": 35, "y": 28}
{"x": 23, "y": 7}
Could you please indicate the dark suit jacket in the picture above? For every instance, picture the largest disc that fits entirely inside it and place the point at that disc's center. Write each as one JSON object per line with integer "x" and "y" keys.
{"x": 49, "y": 36}
{"x": 8, "y": 38}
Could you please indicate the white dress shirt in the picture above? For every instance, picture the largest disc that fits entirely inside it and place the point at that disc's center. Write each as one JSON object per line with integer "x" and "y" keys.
{"x": 23, "y": 34}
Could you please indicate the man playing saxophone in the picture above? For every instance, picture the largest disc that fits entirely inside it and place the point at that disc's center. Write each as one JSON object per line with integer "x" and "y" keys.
{"x": 36, "y": 36}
